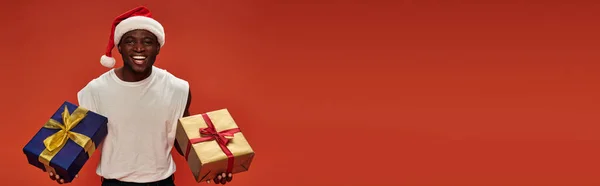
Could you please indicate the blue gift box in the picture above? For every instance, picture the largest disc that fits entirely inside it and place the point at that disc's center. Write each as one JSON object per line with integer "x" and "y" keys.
{"x": 68, "y": 158}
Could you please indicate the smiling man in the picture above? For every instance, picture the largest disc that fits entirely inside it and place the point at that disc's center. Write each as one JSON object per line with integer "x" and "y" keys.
{"x": 142, "y": 103}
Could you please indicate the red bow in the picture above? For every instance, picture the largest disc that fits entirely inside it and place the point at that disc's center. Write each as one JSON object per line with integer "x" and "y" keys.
{"x": 211, "y": 133}
{"x": 222, "y": 139}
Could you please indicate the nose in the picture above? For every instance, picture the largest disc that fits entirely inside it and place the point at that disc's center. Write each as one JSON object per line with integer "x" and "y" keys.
{"x": 138, "y": 47}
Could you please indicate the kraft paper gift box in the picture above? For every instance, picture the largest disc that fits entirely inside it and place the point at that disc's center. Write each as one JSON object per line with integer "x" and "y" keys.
{"x": 212, "y": 143}
{"x": 67, "y": 140}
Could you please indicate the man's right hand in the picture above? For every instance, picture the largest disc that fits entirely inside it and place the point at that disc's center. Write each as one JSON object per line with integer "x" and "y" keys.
{"x": 57, "y": 178}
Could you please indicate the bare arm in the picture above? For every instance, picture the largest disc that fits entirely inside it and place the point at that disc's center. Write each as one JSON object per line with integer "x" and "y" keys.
{"x": 187, "y": 106}
{"x": 224, "y": 177}
{"x": 186, "y": 113}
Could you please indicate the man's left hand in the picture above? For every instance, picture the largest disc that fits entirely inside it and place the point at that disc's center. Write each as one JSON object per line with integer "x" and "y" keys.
{"x": 223, "y": 178}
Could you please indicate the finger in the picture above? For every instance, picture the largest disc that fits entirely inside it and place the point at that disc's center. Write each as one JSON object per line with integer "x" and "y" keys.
{"x": 61, "y": 181}
{"x": 57, "y": 176}
{"x": 207, "y": 181}
{"x": 229, "y": 177}
{"x": 51, "y": 176}
{"x": 222, "y": 178}
{"x": 216, "y": 180}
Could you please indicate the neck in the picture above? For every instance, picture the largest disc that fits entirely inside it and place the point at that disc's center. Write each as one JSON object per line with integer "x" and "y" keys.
{"x": 128, "y": 75}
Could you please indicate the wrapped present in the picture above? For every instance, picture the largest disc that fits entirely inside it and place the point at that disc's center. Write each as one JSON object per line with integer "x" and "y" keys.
{"x": 212, "y": 143}
{"x": 67, "y": 140}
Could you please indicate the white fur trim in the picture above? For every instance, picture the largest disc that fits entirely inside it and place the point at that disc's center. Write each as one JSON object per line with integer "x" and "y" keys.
{"x": 140, "y": 22}
{"x": 108, "y": 62}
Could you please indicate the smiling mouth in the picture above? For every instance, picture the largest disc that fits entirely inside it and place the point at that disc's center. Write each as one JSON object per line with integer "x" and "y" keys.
{"x": 139, "y": 59}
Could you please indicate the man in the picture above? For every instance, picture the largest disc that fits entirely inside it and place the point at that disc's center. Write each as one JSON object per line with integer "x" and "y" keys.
{"x": 142, "y": 103}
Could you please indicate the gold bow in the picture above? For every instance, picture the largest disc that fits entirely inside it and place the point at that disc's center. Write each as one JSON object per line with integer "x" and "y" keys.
{"x": 55, "y": 142}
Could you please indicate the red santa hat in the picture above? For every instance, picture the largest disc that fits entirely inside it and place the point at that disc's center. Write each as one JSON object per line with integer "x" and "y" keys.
{"x": 137, "y": 18}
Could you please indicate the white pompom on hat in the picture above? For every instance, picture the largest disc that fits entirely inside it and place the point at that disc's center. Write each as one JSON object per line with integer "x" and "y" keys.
{"x": 137, "y": 18}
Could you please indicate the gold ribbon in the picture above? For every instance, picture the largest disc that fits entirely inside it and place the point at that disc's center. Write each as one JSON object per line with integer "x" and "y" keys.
{"x": 55, "y": 142}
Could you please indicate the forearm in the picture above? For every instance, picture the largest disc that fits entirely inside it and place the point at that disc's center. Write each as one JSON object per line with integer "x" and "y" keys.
{"x": 186, "y": 113}
{"x": 178, "y": 148}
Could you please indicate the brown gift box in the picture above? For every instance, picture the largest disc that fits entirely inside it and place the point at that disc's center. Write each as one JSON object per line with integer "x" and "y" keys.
{"x": 204, "y": 154}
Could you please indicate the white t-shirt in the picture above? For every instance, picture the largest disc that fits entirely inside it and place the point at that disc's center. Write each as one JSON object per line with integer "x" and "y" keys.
{"x": 142, "y": 121}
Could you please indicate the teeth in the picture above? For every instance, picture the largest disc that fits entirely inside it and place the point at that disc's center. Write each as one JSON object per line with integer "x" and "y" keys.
{"x": 139, "y": 57}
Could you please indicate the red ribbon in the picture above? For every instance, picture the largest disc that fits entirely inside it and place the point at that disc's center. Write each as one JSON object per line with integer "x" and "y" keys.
{"x": 211, "y": 133}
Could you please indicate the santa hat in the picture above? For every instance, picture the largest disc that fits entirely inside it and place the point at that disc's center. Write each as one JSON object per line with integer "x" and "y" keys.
{"x": 137, "y": 18}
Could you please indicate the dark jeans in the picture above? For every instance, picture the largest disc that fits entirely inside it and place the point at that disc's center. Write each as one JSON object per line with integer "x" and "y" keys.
{"x": 166, "y": 182}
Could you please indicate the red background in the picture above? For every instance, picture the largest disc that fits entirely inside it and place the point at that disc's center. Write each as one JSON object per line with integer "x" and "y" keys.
{"x": 341, "y": 92}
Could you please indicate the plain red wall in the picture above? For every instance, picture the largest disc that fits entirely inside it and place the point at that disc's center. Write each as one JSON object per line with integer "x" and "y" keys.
{"x": 341, "y": 92}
